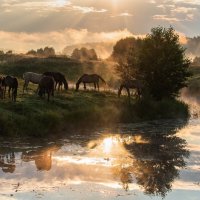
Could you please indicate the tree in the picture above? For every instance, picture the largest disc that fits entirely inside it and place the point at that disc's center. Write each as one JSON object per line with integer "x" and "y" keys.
{"x": 1, "y": 53}
{"x": 84, "y": 54}
{"x": 49, "y": 51}
{"x": 162, "y": 63}
{"x": 196, "y": 61}
{"x": 125, "y": 53}
{"x": 32, "y": 52}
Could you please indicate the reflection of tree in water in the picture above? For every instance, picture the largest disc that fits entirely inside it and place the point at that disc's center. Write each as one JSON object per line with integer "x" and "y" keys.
{"x": 7, "y": 161}
{"x": 156, "y": 163}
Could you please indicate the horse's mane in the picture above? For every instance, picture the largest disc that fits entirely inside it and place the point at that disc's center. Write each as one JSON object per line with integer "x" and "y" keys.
{"x": 80, "y": 79}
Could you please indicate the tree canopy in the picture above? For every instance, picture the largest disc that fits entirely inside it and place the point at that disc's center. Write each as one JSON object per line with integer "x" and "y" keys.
{"x": 160, "y": 62}
{"x": 84, "y": 54}
{"x": 47, "y": 51}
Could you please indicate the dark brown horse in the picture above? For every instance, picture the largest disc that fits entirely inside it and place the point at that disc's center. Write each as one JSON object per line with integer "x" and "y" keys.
{"x": 12, "y": 84}
{"x": 59, "y": 79}
{"x": 89, "y": 78}
{"x": 131, "y": 84}
{"x": 46, "y": 85}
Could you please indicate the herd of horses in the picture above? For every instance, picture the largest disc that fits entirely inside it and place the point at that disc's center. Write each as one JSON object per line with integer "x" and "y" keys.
{"x": 50, "y": 81}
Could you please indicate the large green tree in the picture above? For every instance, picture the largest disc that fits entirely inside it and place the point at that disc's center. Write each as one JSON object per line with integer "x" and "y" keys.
{"x": 158, "y": 60}
{"x": 162, "y": 63}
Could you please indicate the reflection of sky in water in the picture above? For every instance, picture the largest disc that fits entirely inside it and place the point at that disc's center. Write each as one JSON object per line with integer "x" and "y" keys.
{"x": 98, "y": 168}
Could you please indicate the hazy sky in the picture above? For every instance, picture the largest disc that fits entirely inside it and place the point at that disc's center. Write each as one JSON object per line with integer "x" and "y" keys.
{"x": 36, "y": 23}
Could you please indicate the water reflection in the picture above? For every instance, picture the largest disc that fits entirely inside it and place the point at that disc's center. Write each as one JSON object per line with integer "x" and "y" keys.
{"x": 7, "y": 162}
{"x": 158, "y": 162}
{"x": 147, "y": 155}
{"x": 41, "y": 156}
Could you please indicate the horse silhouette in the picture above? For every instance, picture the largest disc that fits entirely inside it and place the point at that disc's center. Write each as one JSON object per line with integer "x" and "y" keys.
{"x": 131, "y": 84}
{"x": 46, "y": 85}
{"x": 89, "y": 78}
{"x": 12, "y": 84}
{"x": 59, "y": 79}
{"x": 31, "y": 77}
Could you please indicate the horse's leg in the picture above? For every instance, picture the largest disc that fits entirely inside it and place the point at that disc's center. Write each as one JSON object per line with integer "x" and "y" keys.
{"x": 120, "y": 90}
{"x": 59, "y": 87}
{"x": 9, "y": 91}
{"x": 25, "y": 86}
{"x": 52, "y": 92}
{"x": 84, "y": 86}
{"x": 129, "y": 95}
{"x": 13, "y": 98}
{"x": 4, "y": 93}
{"x": 95, "y": 86}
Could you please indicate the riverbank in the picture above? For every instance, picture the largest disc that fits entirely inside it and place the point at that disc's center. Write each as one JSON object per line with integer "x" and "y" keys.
{"x": 33, "y": 116}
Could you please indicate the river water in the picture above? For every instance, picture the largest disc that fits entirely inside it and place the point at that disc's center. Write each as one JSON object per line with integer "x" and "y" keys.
{"x": 150, "y": 160}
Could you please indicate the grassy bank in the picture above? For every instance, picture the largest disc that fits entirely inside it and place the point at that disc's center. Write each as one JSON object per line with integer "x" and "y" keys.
{"x": 31, "y": 115}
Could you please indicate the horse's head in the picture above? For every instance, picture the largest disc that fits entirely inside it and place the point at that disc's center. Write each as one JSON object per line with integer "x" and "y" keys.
{"x": 77, "y": 86}
{"x": 65, "y": 84}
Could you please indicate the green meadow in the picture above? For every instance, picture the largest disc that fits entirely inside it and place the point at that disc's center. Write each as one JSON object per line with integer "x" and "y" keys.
{"x": 67, "y": 110}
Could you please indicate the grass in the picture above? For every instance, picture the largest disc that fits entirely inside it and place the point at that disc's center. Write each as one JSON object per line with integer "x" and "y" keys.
{"x": 31, "y": 115}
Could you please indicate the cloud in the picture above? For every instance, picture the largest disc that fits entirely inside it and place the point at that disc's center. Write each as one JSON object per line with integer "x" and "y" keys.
{"x": 22, "y": 41}
{"x": 183, "y": 10}
{"x": 166, "y": 18}
{"x": 88, "y": 9}
{"x": 46, "y": 6}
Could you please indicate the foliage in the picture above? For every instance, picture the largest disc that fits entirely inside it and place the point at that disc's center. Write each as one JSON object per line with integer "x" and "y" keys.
{"x": 84, "y": 54}
{"x": 160, "y": 62}
{"x": 196, "y": 61}
{"x": 47, "y": 51}
{"x": 123, "y": 51}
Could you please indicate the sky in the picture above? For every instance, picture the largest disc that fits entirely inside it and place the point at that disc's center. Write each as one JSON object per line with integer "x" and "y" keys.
{"x": 32, "y": 24}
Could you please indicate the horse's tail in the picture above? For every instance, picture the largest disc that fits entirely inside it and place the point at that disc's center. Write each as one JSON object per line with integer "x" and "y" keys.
{"x": 102, "y": 79}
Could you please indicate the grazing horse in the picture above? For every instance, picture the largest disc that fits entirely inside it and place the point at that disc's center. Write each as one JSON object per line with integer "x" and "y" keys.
{"x": 46, "y": 85}
{"x": 31, "y": 77}
{"x": 89, "y": 78}
{"x": 12, "y": 84}
{"x": 131, "y": 84}
{"x": 59, "y": 79}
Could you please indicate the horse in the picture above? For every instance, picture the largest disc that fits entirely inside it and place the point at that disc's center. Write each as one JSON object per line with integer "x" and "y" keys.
{"x": 59, "y": 79}
{"x": 89, "y": 78}
{"x": 46, "y": 85}
{"x": 31, "y": 77}
{"x": 12, "y": 83}
{"x": 131, "y": 84}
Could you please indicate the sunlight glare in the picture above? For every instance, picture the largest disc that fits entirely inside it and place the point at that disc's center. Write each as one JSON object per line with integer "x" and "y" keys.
{"x": 108, "y": 144}
{"x": 61, "y": 3}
